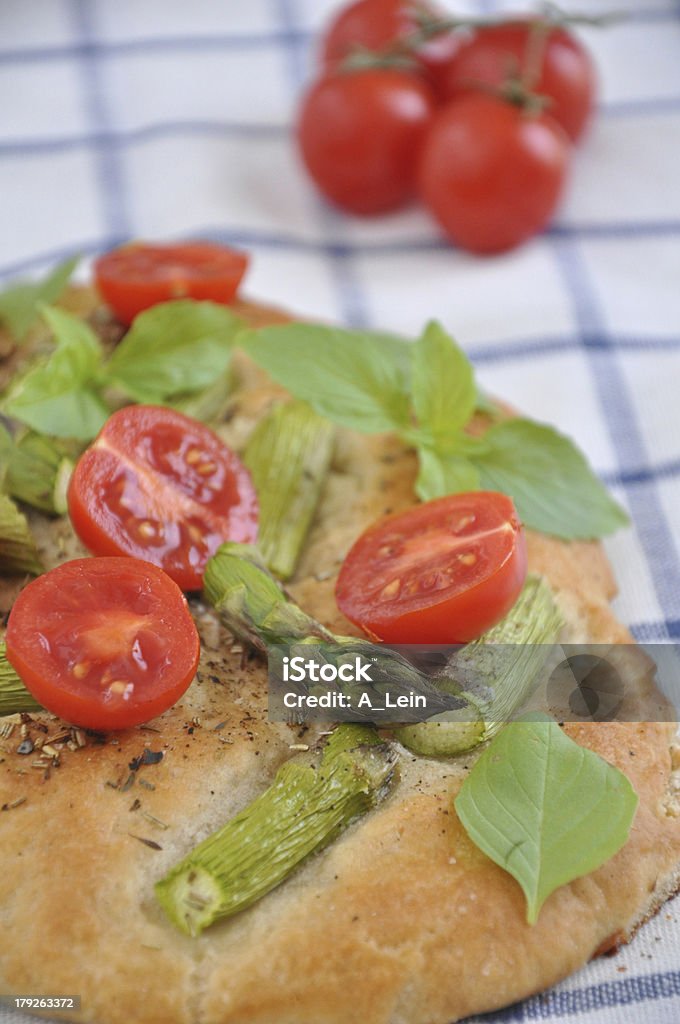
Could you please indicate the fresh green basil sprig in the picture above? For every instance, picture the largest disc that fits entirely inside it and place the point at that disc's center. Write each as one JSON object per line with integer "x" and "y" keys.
{"x": 172, "y": 350}
{"x": 544, "y": 808}
{"x": 426, "y": 393}
{"x": 20, "y": 303}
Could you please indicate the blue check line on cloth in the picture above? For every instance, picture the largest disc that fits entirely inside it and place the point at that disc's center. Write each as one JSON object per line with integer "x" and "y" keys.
{"x": 112, "y": 138}
{"x": 653, "y": 106}
{"x": 570, "y": 1002}
{"x": 238, "y": 41}
{"x": 645, "y": 475}
{"x": 342, "y": 249}
{"x": 108, "y": 163}
{"x": 288, "y": 35}
{"x": 529, "y": 348}
{"x": 134, "y": 136}
{"x": 656, "y": 632}
{"x": 656, "y": 536}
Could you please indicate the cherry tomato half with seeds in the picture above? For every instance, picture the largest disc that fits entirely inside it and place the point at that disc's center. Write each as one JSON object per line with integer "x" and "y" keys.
{"x": 376, "y": 24}
{"x": 491, "y": 173}
{"x": 160, "y": 486}
{"x": 105, "y": 643}
{"x": 140, "y": 275}
{"x": 440, "y": 573}
{"x": 360, "y": 134}
{"x": 567, "y": 73}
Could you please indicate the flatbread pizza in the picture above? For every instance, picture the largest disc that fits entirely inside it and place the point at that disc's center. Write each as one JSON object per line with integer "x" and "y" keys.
{"x": 401, "y": 918}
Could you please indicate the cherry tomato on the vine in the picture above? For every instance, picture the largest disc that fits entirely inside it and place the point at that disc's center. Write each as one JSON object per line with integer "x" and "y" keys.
{"x": 360, "y": 135}
{"x": 106, "y": 643}
{"x": 492, "y": 173}
{"x": 139, "y": 275}
{"x": 160, "y": 486}
{"x": 566, "y": 77}
{"x": 376, "y": 24}
{"x": 442, "y": 572}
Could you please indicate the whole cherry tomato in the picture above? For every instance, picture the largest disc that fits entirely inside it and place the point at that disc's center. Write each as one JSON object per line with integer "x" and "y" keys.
{"x": 360, "y": 135}
{"x": 376, "y": 24}
{"x": 492, "y": 173}
{"x": 442, "y": 572}
{"x": 566, "y": 74}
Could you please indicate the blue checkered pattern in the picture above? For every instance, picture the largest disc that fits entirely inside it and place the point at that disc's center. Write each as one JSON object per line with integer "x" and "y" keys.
{"x": 167, "y": 119}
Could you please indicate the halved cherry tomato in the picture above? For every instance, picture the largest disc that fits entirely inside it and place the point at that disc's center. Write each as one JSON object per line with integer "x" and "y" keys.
{"x": 160, "y": 486}
{"x": 491, "y": 173}
{"x": 105, "y": 643}
{"x": 360, "y": 134}
{"x": 375, "y": 24}
{"x": 140, "y": 275}
{"x": 440, "y": 573}
{"x": 567, "y": 74}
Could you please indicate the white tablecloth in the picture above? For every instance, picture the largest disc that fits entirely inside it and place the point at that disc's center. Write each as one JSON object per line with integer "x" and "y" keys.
{"x": 168, "y": 119}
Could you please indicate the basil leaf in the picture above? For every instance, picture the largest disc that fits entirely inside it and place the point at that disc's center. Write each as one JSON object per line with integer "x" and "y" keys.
{"x": 362, "y": 381}
{"x": 75, "y": 335}
{"x": 444, "y": 474}
{"x": 20, "y": 304}
{"x": 444, "y": 391}
{"x": 356, "y": 379}
{"x": 174, "y": 348}
{"x": 58, "y": 395}
{"x": 544, "y": 808}
{"x": 397, "y": 350}
{"x": 552, "y": 485}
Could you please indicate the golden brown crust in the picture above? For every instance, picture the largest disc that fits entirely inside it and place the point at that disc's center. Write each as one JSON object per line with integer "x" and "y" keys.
{"x": 402, "y": 920}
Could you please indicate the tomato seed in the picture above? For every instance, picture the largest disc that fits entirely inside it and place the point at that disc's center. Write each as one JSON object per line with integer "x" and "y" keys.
{"x": 120, "y": 686}
{"x": 392, "y": 588}
{"x": 430, "y": 581}
{"x": 467, "y": 559}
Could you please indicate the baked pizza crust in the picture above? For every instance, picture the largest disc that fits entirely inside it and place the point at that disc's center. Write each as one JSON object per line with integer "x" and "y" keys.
{"x": 401, "y": 920}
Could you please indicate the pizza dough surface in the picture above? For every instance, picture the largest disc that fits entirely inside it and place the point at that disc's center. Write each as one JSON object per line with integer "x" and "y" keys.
{"x": 401, "y": 920}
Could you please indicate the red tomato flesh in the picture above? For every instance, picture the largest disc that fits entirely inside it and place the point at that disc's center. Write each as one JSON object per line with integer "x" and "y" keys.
{"x": 441, "y": 573}
{"x": 105, "y": 643}
{"x": 157, "y": 485}
{"x": 140, "y": 275}
{"x": 567, "y": 74}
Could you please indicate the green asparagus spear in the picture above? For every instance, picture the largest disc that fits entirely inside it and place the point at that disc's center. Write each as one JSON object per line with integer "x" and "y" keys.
{"x": 288, "y": 455}
{"x": 307, "y": 806}
{"x": 497, "y": 672}
{"x": 14, "y": 696}
{"x": 252, "y": 603}
{"x": 18, "y": 553}
{"x": 38, "y": 470}
{"x": 254, "y": 607}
